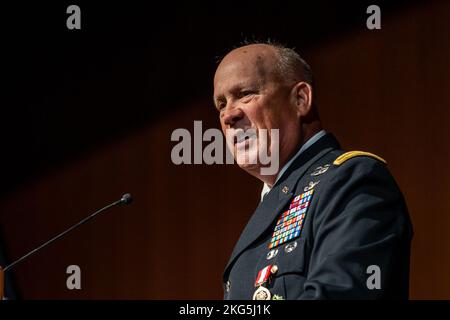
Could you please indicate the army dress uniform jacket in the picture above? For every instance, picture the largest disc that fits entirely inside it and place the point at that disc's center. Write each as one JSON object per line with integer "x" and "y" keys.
{"x": 334, "y": 226}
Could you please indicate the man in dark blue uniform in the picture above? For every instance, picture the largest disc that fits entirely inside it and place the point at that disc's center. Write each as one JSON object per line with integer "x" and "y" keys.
{"x": 331, "y": 224}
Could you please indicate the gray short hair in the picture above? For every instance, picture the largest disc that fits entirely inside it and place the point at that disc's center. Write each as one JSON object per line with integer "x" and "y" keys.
{"x": 290, "y": 66}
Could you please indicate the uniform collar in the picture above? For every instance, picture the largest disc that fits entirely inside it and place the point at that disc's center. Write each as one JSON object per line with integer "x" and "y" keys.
{"x": 266, "y": 189}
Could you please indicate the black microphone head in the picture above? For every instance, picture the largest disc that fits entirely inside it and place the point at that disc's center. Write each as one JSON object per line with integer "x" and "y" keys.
{"x": 126, "y": 198}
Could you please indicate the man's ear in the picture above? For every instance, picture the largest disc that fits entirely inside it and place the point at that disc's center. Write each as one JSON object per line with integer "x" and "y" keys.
{"x": 303, "y": 98}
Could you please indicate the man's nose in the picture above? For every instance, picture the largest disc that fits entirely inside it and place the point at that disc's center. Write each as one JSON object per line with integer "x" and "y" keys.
{"x": 231, "y": 116}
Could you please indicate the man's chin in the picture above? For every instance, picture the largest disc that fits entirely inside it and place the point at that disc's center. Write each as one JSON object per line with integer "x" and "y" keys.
{"x": 249, "y": 167}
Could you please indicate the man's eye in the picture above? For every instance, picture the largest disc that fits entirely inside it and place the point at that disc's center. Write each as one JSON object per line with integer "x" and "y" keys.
{"x": 246, "y": 93}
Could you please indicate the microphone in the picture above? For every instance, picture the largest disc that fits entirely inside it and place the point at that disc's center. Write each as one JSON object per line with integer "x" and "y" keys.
{"x": 126, "y": 199}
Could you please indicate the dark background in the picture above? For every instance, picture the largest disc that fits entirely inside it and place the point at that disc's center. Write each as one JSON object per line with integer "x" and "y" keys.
{"x": 87, "y": 115}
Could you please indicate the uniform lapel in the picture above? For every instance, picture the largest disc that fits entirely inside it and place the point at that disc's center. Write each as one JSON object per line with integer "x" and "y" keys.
{"x": 274, "y": 202}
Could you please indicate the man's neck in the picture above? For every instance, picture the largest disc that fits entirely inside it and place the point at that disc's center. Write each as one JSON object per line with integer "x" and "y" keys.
{"x": 271, "y": 180}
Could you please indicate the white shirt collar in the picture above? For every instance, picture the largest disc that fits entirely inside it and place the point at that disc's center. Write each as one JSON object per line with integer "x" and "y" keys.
{"x": 266, "y": 189}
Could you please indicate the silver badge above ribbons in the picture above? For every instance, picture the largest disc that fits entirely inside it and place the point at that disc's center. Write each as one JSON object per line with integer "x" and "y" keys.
{"x": 311, "y": 185}
{"x": 319, "y": 170}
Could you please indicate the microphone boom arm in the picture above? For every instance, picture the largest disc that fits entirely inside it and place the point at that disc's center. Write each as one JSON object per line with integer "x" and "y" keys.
{"x": 126, "y": 199}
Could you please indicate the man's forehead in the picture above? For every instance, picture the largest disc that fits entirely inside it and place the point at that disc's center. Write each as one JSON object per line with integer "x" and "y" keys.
{"x": 234, "y": 78}
{"x": 237, "y": 72}
{"x": 251, "y": 51}
{"x": 251, "y": 56}
{"x": 245, "y": 64}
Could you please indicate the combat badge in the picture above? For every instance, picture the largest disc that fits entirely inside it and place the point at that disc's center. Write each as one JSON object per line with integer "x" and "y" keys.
{"x": 311, "y": 185}
{"x": 320, "y": 170}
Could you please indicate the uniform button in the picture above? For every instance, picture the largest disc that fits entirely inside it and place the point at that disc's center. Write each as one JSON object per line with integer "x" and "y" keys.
{"x": 274, "y": 269}
{"x": 285, "y": 189}
{"x": 228, "y": 286}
